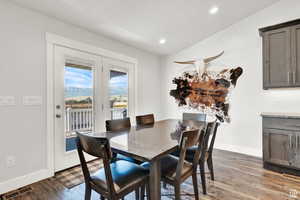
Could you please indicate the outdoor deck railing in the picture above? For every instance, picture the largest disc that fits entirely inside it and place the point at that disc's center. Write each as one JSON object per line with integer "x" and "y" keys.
{"x": 83, "y": 119}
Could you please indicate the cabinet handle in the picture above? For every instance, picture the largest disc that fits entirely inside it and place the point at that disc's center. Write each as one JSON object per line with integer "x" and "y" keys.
{"x": 288, "y": 77}
{"x": 290, "y": 142}
{"x": 294, "y": 77}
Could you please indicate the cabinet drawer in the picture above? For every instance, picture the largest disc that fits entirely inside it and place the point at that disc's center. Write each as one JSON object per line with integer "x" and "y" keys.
{"x": 281, "y": 123}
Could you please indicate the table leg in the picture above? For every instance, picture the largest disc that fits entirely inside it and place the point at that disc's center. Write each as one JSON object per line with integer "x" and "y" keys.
{"x": 155, "y": 180}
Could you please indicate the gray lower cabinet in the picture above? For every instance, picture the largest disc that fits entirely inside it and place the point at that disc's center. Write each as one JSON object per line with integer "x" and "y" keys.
{"x": 281, "y": 55}
{"x": 278, "y": 146}
{"x": 295, "y": 159}
{"x": 281, "y": 144}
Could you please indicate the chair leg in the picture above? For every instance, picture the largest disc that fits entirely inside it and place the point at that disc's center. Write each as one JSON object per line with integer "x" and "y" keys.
{"x": 211, "y": 168}
{"x": 195, "y": 185}
{"x": 202, "y": 173}
{"x": 177, "y": 191}
{"x": 137, "y": 194}
{"x": 142, "y": 194}
{"x": 88, "y": 192}
{"x": 148, "y": 191}
{"x": 164, "y": 185}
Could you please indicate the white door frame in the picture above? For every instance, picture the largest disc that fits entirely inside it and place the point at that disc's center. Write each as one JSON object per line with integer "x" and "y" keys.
{"x": 53, "y": 40}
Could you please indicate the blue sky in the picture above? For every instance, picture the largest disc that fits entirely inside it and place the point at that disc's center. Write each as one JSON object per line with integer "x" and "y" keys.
{"x": 81, "y": 78}
{"x": 78, "y": 78}
{"x": 119, "y": 85}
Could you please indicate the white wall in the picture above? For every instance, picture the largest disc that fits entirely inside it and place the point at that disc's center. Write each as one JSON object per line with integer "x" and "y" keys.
{"x": 23, "y": 73}
{"x": 243, "y": 47}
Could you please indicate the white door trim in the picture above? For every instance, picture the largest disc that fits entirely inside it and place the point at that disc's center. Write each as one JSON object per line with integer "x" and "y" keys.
{"x": 53, "y": 40}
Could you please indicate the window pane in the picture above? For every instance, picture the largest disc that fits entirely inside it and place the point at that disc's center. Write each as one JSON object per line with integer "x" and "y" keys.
{"x": 118, "y": 94}
{"x": 78, "y": 102}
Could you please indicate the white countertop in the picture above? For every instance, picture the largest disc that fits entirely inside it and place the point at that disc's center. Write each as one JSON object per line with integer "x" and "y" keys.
{"x": 280, "y": 114}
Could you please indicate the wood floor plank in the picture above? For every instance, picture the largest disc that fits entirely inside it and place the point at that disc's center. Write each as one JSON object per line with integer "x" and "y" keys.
{"x": 237, "y": 177}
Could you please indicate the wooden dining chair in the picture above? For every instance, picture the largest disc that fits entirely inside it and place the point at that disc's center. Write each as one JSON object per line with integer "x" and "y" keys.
{"x": 120, "y": 125}
{"x": 116, "y": 179}
{"x": 144, "y": 120}
{"x": 206, "y": 153}
{"x": 176, "y": 170}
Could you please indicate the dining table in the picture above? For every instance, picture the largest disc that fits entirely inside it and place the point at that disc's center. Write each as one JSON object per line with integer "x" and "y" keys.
{"x": 149, "y": 144}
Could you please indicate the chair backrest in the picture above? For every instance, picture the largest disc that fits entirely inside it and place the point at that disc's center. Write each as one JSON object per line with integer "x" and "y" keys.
{"x": 207, "y": 143}
{"x": 212, "y": 137}
{"x": 144, "y": 120}
{"x": 95, "y": 146}
{"x": 118, "y": 124}
{"x": 194, "y": 116}
{"x": 98, "y": 147}
{"x": 188, "y": 139}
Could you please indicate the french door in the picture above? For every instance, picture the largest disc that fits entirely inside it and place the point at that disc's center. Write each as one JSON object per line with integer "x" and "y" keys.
{"x": 88, "y": 90}
{"x": 119, "y": 101}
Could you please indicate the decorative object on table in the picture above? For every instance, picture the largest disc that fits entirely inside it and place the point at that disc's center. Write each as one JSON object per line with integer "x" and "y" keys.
{"x": 206, "y": 91}
{"x": 181, "y": 126}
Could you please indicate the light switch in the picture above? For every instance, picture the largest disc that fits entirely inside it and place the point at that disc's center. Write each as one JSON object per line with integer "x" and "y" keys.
{"x": 7, "y": 101}
{"x": 32, "y": 100}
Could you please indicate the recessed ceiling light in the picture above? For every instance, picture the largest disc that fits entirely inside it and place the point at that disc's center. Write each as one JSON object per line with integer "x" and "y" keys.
{"x": 214, "y": 10}
{"x": 162, "y": 41}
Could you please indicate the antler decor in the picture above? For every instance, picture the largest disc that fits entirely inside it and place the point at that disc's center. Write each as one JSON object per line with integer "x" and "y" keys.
{"x": 204, "y": 90}
{"x": 201, "y": 65}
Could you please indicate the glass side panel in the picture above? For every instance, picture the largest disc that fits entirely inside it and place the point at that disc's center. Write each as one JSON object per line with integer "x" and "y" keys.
{"x": 118, "y": 94}
{"x": 78, "y": 96}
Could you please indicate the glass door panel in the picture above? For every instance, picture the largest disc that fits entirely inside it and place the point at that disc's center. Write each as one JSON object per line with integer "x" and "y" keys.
{"x": 118, "y": 94}
{"x": 78, "y": 88}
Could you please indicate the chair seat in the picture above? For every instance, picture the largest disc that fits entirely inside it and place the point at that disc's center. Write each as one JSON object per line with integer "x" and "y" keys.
{"x": 129, "y": 159}
{"x": 189, "y": 155}
{"x": 169, "y": 165}
{"x": 124, "y": 175}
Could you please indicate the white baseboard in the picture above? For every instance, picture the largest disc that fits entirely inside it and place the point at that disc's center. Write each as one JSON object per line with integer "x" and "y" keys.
{"x": 240, "y": 149}
{"x": 22, "y": 181}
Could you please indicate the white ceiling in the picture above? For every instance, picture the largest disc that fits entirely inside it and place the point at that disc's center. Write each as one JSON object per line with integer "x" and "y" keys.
{"x": 141, "y": 23}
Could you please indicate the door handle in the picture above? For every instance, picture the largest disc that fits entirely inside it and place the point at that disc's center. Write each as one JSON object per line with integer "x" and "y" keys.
{"x": 294, "y": 77}
{"x": 58, "y": 116}
{"x": 290, "y": 142}
{"x": 296, "y": 141}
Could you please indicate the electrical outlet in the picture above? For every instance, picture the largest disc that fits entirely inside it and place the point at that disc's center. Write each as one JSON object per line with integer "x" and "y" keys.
{"x": 7, "y": 101}
{"x": 10, "y": 161}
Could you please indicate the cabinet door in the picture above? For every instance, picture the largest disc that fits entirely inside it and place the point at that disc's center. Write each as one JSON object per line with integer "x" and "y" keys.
{"x": 278, "y": 146}
{"x": 295, "y": 162}
{"x": 295, "y": 37}
{"x": 277, "y": 58}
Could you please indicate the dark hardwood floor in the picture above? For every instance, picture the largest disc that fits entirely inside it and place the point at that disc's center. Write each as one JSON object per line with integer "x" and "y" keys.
{"x": 238, "y": 177}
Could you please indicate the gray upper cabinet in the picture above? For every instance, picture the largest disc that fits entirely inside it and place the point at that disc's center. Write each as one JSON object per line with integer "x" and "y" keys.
{"x": 277, "y": 53}
{"x": 281, "y": 55}
{"x": 295, "y": 44}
